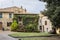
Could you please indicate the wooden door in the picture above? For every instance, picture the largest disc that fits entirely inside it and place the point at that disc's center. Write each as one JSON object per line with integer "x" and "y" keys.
{"x": 0, "y": 25}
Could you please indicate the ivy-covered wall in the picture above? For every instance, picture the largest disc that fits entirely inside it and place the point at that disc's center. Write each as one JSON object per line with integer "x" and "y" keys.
{"x": 30, "y": 21}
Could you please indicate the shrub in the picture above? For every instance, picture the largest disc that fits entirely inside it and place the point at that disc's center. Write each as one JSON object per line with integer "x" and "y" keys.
{"x": 30, "y": 28}
{"x": 30, "y": 23}
{"x": 14, "y": 26}
{"x": 20, "y": 28}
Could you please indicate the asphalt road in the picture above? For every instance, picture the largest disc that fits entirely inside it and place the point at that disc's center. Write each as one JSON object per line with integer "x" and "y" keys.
{"x": 4, "y": 36}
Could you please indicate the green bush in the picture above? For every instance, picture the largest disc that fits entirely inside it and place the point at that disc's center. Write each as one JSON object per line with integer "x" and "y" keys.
{"x": 30, "y": 28}
{"x": 30, "y": 23}
{"x": 14, "y": 26}
{"x": 20, "y": 28}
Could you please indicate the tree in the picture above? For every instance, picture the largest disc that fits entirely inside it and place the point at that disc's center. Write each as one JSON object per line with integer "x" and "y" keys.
{"x": 53, "y": 11}
{"x": 14, "y": 26}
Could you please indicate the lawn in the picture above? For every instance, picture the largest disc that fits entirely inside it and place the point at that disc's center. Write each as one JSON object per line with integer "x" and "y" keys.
{"x": 41, "y": 38}
{"x": 25, "y": 34}
{"x": 37, "y": 38}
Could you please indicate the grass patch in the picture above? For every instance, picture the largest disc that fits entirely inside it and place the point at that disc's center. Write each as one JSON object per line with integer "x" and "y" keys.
{"x": 34, "y": 38}
{"x": 23, "y": 34}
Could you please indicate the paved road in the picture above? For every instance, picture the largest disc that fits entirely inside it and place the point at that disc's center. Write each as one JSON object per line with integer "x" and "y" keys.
{"x": 4, "y": 36}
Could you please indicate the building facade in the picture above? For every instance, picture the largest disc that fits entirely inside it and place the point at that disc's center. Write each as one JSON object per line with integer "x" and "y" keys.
{"x": 45, "y": 24}
{"x": 6, "y": 16}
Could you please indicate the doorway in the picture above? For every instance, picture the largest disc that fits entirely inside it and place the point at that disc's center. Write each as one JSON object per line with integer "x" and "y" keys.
{"x": 0, "y": 25}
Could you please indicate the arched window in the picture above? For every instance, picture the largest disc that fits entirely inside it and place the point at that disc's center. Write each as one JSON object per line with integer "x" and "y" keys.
{"x": 40, "y": 27}
{"x": 45, "y": 22}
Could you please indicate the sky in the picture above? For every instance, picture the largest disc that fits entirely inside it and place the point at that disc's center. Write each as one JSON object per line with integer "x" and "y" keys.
{"x": 33, "y": 6}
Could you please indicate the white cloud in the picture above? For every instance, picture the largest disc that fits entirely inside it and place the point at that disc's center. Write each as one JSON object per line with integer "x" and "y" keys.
{"x": 30, "y": 5}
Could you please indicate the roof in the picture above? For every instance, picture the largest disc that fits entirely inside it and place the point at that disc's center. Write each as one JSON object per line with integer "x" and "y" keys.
{"x": 28, "y": 13}
{"x": 13, "y": 9}
{"x": 16, "y": 10}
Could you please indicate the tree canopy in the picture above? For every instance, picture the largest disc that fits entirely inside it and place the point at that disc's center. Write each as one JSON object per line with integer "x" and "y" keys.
{"x": 53, "y": 11}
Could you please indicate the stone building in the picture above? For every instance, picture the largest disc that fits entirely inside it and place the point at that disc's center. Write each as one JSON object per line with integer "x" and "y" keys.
{"x": 45, "y": 24}
{"x": 6, "y": 16}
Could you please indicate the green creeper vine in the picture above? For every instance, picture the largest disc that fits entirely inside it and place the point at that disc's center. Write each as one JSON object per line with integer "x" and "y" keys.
{"x": 30, "y": 22}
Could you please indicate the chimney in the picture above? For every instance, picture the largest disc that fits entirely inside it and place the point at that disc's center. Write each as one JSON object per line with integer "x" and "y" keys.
{"x": 21, "y": 7}
{"x": 25, "y": 10}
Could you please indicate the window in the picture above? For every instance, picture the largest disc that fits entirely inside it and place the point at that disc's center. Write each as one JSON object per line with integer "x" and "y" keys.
{"x": 43, "y": 28}
{"x": 45, "y": 22}
{"x": 0, "y": 15}
{"x": 10, "y": 15}
{"x": 9, "y": 23}
{"x": 40, "y": 27}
